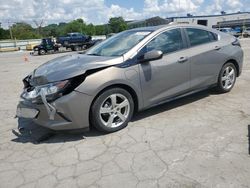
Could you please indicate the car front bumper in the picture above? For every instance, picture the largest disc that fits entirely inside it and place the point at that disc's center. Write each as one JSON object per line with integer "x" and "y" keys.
{"x": 70, "y": 112}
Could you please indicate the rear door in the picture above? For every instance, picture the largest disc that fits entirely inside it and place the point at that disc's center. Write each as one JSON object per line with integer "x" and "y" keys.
{"x": 169, "y": 76}
{"x": 204, "y": 56}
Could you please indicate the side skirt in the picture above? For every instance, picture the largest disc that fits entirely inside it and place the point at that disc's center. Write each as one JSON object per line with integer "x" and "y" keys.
{"x": 179, "y": 96}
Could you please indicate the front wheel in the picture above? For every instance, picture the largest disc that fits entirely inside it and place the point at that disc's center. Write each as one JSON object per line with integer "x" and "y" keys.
{"x": 41, "y": 52}
{"x": 227, "y": 78}
{"x": 112, "y": 110}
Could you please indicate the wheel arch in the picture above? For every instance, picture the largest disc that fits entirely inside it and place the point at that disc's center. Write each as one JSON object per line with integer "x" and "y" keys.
{"x": 129, "y": 89}
{"x": 43, "y": 48}
{"x": 235, "y": 64}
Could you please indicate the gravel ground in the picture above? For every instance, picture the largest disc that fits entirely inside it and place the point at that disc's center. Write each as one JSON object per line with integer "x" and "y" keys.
{"x": 198, "y": 141}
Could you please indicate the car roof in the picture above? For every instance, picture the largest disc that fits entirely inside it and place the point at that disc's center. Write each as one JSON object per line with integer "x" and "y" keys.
{"x": 171, "y": 25}
{"x": 149, "y": 28}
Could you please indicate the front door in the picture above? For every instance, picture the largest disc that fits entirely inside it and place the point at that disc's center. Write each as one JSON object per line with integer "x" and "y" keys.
{"x": 169, "y": 76}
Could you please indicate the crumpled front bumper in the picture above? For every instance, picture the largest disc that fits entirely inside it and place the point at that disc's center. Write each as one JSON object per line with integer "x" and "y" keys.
{"x": 70, "y": 112}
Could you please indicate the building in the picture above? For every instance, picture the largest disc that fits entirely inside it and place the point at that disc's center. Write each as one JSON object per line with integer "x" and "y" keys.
{"x": 239, "y": 19}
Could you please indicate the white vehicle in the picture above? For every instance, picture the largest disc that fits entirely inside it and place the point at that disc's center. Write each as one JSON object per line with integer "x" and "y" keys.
{"x": 246, "y": 32}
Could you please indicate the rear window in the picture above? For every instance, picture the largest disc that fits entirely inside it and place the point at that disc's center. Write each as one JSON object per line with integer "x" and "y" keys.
{"x": 199, "y": 36}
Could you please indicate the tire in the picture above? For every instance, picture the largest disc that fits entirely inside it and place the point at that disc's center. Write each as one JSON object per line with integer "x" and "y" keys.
{"x": 77, "y": 48}
{"x": 65, "y": 43}
{"x": 41, "y": 52}
{"x": 227, "y": 78}
{"x": 117, "y": 109}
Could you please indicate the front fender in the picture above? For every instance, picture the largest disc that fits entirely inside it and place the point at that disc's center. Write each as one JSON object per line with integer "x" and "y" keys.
{"x": 98, "y": 81}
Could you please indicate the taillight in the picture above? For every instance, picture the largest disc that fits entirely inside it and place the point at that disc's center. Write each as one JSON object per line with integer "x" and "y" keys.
{"x": 236, "y": 42}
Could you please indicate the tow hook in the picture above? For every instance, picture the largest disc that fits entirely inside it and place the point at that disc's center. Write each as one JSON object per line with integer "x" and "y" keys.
{"x": 50, "y": 108}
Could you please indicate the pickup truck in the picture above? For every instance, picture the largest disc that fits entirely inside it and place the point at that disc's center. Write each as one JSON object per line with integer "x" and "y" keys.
{"x": 73, "y": 38}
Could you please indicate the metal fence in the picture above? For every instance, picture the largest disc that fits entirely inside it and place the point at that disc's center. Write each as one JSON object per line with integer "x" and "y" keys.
{"x": 11, "y": 45}
{"x": 17, "y": 44}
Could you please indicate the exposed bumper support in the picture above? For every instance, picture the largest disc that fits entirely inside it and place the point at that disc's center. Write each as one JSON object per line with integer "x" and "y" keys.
{"x": 50, "y": 108}
{"x": 65, "y": 113}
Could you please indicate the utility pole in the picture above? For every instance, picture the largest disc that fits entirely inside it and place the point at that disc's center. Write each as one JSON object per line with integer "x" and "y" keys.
{"x": 39, "y": 25}
{"x": 11, "y": 36}
{"x": 243, "y": 28}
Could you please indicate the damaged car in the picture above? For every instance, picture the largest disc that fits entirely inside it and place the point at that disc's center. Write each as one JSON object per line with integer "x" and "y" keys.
{"x": 131, "y": 71}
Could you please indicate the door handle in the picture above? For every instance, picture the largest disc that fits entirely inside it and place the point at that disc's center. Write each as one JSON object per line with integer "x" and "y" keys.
{"x": 217, "y": 47}
{"x": 182, "y": 59}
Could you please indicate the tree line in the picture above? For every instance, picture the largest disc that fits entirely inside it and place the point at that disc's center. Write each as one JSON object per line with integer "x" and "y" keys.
{"x": 24, "y": 30}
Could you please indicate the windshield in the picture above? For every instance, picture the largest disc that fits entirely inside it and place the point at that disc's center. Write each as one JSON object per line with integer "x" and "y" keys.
{"x": 118, "y": 44}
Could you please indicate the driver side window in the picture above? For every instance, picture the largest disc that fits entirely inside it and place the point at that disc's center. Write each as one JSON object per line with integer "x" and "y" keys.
{"x": 167, "y": 42}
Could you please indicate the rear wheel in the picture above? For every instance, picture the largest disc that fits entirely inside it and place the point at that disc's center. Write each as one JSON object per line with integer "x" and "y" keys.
{"x": 76, "y": 48}
{"x": 112, "y": 110}
{"x": 227, "y": 78}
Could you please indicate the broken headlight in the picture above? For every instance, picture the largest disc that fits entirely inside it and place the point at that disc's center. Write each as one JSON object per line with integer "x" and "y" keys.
{"x": 51, "y": 91}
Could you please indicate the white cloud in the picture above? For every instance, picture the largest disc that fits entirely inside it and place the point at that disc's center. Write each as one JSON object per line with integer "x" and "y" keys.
{"x": 235, "y": 4}
{"x": 97, "y": 12}
{"x": 215, "y": 7}
{"x": 228, "y": 6}
{"x": 94, "y": 11}
{"x": 128, "y": 14}
{"x": 166, "y": 7}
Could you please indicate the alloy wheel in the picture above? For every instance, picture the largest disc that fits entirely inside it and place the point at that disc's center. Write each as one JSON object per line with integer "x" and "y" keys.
{"x": 228, "y": 77}
{"x": 114, "y": 110}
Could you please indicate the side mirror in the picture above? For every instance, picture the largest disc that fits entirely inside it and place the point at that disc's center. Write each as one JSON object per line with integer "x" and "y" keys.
{"x": 151, "y": 56}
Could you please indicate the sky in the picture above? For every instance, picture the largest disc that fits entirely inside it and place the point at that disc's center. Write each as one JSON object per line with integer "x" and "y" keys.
{"x": 99, "y": 11}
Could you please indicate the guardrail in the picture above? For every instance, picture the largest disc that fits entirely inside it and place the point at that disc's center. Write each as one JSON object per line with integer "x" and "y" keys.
{"x": 14, "y": 45}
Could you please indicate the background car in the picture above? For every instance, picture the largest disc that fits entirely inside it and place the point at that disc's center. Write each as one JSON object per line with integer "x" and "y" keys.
{"x": 246, "y": 32}
{"x": 230, "y": 31}
{"x": 130, "y": 71}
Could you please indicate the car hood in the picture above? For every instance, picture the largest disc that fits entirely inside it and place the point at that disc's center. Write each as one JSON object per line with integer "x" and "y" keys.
{"x": 69, "y": 66}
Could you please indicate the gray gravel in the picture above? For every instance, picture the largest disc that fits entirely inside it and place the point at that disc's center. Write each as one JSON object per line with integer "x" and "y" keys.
{"x": 198, "y": 141}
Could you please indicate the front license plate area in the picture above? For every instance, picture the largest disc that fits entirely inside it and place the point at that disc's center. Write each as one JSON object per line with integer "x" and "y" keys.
{"x": 26, "y": 112}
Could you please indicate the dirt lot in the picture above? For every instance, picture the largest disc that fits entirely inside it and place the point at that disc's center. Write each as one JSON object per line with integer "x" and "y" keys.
{"x": 198, "y": 141}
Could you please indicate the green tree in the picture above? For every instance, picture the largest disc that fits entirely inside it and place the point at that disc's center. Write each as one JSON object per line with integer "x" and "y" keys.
{"x": 4, "y": 34}
{"x": 100, "y": 30}
{"x": 24, "y": 31}
{"x": 90, "y": 29}
{"x": 75, "y": 26}
{"x": 54, "y": 30}
{"x": 80, "y": 20}
{"x": 117, "y": 24}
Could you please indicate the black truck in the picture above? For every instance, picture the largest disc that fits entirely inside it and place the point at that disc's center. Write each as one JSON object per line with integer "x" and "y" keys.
{"x": 73, "y": 41}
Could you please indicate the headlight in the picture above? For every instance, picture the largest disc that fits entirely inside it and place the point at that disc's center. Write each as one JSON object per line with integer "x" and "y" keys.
{"x": 51, "y": 91}
{"x": 52, "y": 88}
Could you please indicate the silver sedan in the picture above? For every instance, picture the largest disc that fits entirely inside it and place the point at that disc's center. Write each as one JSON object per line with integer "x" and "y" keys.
{"x": 131, "y": 71}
